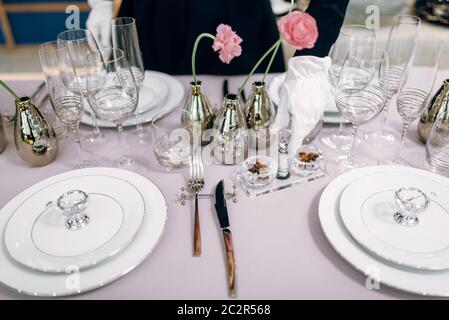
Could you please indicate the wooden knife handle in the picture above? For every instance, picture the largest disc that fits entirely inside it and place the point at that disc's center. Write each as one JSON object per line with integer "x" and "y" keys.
{"x": 196, "y": 231}
{"x": 230, "y": 261}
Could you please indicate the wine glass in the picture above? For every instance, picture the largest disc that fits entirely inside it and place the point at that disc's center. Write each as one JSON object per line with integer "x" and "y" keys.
{"x": 79, "y": 43}
{"x": 125, "y": 37}
{"x": 400, "y": 47}
{"x": 414, "y": 92}
{"x": 350, "y": 36}
{"x": 361, "y": 94}
{"x": 66, "y": 104}
{"x": 437, "y": 146}
{"x": 112, "y": 92}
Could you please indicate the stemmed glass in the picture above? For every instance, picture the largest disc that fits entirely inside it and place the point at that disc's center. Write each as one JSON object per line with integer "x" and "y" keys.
{"x": 400, "y": 48}
{"x": 351, "y": 36}
{"x": 79, "y": 43}
{"x": 112, "y": 92}
{"x": 361, "y": 94}
{"x": 125, "y": 37}
{"x": 66, "y": 104}
{"x": 414, "y": 92}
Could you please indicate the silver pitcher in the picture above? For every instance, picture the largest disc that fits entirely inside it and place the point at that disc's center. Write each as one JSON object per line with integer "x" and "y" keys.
{"x": 35, "y": 139}
{"x": 197, "y": 109}
{"x": 440, "y": 102}
{"x": 259, "y": 115}
{"x": 230, "y": 135}
{"x": 2, "y": 136}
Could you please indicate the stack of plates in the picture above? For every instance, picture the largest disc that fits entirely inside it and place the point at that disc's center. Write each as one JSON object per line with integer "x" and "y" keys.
{"x": 160, "y": 94}
{"x": 41, "y": 257}
{"x": 331, "y": 114}
{"x": 356, "y": 214}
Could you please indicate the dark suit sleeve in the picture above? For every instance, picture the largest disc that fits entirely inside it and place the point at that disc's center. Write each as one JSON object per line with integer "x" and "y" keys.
{"x": 329, "y": 15}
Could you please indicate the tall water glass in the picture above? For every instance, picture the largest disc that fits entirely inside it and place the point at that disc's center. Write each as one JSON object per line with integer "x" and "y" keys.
{"x": 66, "y": 104}
{"x": 361, "y": 94}
{"x": 112, "y": 92}
{"x": 125, "y": 37}
{"x": 416, "y": 85}
{"x": 400, "y": 48}
{"x": 350, "y": 36}
{"x": 78, "y": 44}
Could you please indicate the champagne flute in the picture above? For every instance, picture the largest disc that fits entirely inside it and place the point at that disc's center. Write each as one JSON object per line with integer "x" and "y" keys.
{"x": 361, "y": 94}
{"x": 66, "y": 104}
{"x": 350, "y": 36}
{"x": 400, "y": 48}
{"x": 79, "y": 43}
{"x": 125, "y": 37}
{"x": 415, "y": 88}
{"x": 112, "y": 92}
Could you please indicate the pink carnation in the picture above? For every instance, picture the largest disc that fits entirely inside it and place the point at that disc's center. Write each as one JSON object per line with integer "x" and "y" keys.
{"x": 299, "y": 30}
{"x": 228, "y": 43}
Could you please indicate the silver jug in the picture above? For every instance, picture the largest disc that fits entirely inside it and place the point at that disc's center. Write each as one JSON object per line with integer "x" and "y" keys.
{"x": 230, "y": 135}
{"x": 259, "y": 115}
{"x": 2, "y": 136}
{"x": 439, "y": 103}
{"x": 35, "y": 139}
{"x": 197, "y": 109}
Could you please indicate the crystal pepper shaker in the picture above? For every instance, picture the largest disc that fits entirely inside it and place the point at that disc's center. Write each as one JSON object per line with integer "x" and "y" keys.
{"x": 283, "y": 166}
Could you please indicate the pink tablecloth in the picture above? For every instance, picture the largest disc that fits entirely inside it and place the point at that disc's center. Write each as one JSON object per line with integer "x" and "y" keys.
{"x": 280, "y": 249}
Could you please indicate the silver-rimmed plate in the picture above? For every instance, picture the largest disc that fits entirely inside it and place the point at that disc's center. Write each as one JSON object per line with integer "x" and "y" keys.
{"x": 37, "y": 237}
{"x": 431, "y": 283}
{"x": 27, "y": 281}
{"x": 367, "y": 209}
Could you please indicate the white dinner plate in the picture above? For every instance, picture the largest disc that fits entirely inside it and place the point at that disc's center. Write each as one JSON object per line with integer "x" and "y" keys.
{"x": 38, "y": 238}
{"x": 171, "y": 102}
{"x": 27, "y": 281}
{"x": 423, "y": 282}
{"x": 367, "y": 207}
{"x": 331, "y": 114}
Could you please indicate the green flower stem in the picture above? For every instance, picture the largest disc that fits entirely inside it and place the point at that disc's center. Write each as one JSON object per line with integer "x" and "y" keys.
{"x": 4, "y": 85}
{"x": 195, "y": 47}
{"x": 277, "y": 48}
{"x": 273, "y": 47}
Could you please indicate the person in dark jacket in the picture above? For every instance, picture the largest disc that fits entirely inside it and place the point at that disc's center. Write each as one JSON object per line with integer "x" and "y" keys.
{"x": 168, "y": 28}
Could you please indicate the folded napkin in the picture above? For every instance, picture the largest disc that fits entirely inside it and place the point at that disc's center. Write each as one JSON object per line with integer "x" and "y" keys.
{"x": 303, "y": 96}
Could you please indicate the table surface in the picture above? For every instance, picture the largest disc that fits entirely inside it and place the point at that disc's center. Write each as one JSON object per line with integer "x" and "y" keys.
{"x": 280, "y": 249}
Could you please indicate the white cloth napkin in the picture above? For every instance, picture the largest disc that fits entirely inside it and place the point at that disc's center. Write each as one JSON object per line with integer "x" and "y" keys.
{"x": 303, "y": 96}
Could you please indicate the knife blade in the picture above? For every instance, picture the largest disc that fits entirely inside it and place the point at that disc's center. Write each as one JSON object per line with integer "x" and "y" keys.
{"x": 223, "y": 219}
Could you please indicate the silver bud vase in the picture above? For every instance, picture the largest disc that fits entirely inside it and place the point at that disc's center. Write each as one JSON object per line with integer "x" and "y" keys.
{"x": 197, "y": 109}
{"x": 230, "y": 134}
{"x": 259, "y": 115}
{"x": 438, "y": 104}
{"x": 34, "y": 138}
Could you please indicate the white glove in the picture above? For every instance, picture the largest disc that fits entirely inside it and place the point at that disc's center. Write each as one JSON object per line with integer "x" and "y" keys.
{"x": 99, "y": 21}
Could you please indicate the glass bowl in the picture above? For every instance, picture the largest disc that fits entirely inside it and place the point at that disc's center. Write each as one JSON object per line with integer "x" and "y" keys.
{"x": 259, "y": 171}
{"x": 306, "y": 161}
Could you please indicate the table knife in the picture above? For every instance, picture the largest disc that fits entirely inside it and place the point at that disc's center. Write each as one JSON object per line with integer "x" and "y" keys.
{"x": 223, "y": 218}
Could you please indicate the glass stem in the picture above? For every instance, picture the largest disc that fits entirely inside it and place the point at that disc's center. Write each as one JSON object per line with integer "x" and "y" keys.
{"x": 79, "y": 148}
{"x": 403, "y": 135}
{"x": 122, "y": 140}
{"x": 342, "y": 124}
{"x": 383, "y": 120}
{"x": 355, "y": 127}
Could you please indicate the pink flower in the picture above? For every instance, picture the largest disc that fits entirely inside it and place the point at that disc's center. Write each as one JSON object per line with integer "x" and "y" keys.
{"x": 299, "y": 30}
{"x": 227, "y": 42}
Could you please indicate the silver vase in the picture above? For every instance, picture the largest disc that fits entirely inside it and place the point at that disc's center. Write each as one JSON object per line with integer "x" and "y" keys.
{"x": 2, "y": 136}
{"x": 197, "y": 109}
{"x": 34, "y": 138}
{"x": 230, "y": 133}
{"x": 439, "y": 103}
{"x": 259, "y": 115}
